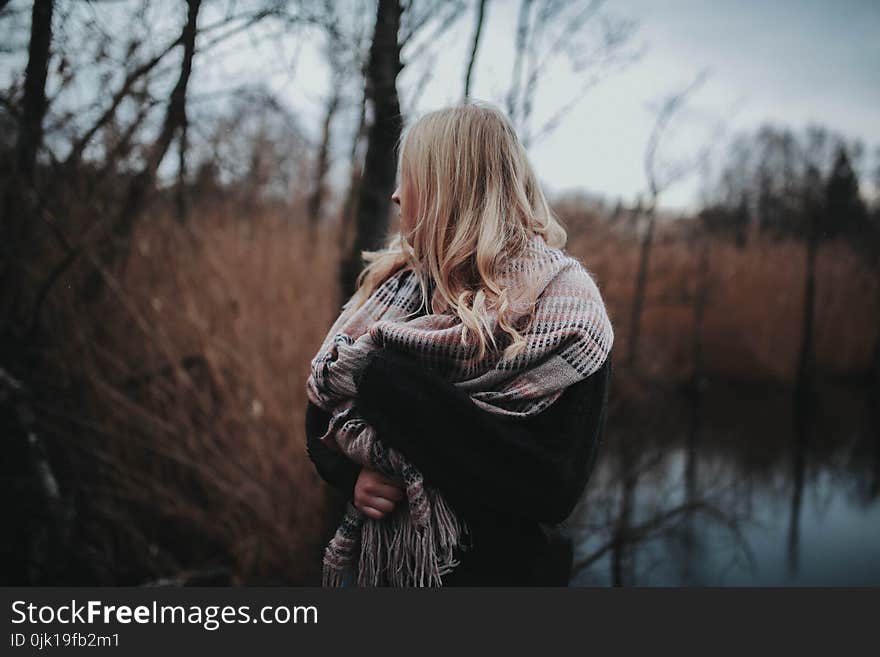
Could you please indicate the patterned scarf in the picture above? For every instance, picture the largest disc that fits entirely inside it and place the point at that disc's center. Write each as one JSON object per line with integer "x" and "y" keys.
{"x": 567, "y": 339}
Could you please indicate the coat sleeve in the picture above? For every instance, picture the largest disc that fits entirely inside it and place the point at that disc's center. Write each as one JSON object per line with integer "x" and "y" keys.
{"x": 534, "y": 468}
{"x": 335, "y": 468}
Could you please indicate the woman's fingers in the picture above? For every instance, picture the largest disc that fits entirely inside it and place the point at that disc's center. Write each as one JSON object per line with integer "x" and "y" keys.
{"x": 372, "y": 513}
{"x": 380, "y": 503}
{"x": 376, "y": 495}
{"x": 376, "y": 507}
{"x": 372, "y": 477}
{"x": 386, "y": 491}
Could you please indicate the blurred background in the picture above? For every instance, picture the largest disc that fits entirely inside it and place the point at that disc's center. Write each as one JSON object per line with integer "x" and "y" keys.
{"x": 186, "y": 187}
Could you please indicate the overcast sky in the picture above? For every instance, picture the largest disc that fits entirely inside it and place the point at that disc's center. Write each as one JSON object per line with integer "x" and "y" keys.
{"x": 786, "y": 61}
{"x": 790, "y": 62}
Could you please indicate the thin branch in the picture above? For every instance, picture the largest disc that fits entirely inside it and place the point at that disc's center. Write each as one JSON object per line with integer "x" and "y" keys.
{"x": 664, "y": 116}
{"x": 475, "y": 44}
{"x": 118, "y": 97}
{"x": 522, "y": 34}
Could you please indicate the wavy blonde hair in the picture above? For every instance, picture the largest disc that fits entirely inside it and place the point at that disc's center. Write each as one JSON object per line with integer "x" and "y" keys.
{"x": 470, "y": 202}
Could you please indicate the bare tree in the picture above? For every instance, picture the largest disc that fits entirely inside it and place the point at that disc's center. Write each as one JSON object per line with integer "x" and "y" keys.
{"x": 519, "y": 51}
{"x": 124, "y": 91}
{"x": 547, "y": 32}
{"x": 658, "y": 181}
{"x": 345, "y": 53}
{"x": 175, "y": 119}
{"x": 380, "y": 166}
{"x": 475, "y": 44}
{"x": 33, "y": 106}
{"x": 180, "y": 197}
{"x": 322, "y": 161}
{"x": 423, "y": 23}
{"x": 17, "y": 213}
{"x": 355, "y": 171}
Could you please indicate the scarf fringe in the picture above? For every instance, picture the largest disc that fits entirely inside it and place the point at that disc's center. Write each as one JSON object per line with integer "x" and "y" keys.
{"x": 398, "y": 550}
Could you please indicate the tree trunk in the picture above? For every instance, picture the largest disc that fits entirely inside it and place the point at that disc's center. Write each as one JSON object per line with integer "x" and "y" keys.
{"x": 17, "y": 215}
{"x": 180, "y": 193}
{"x": 874, "y": 402}
{"x": 622, "y": 553}
{"x": 804, "y": 408}
{"x": 641, "y": 283}
{"x": 354, "y": 179}
{"x": 380, "y": 165}
{"x": 33, "y": 107}
{"x": 316, "y": 198}
{"x": 689, "y": 532}
{"x": 806, "y": 359}
{"x": 522, "y": 34}
{"x": 478, "y": 30}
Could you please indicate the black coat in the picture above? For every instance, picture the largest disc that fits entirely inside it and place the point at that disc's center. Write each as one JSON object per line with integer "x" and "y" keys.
{"x": 508, "y": 478}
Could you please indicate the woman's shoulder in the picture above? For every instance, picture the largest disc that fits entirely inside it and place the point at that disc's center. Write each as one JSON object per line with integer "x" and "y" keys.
{"x": 578, "y": 402}
{"x": 598, "y": 380}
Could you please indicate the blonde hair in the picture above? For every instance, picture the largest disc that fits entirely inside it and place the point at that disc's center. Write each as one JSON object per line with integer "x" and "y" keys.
{"x": 470, "y": 202}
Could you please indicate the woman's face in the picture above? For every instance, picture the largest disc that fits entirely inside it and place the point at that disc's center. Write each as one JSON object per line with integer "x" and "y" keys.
{"x": 397, "y": 197}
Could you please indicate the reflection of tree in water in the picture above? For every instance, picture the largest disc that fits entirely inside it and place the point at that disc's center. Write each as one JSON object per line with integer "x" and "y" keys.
{"x": 636, "y": 513}
{"x": 688, "y": 499}
{"x": 864, "y": 482}
{"x": 848, "y": 453}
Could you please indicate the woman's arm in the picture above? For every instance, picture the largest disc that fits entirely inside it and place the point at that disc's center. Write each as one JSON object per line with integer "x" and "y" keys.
{"x": 533, "y": 468}
{"x": 334, "y": 467}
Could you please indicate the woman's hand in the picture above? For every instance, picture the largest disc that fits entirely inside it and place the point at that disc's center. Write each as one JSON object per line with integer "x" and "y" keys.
{"x": 375, "y": 495}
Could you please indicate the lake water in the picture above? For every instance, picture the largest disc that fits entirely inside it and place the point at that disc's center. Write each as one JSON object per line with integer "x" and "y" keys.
{"x": 734, "y": 498}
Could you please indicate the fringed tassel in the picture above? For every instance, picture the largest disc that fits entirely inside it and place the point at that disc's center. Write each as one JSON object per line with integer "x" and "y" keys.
{"x": 339, "y": 553}
{"x": 405, "y": 549}
{"x": 400, "y": 552}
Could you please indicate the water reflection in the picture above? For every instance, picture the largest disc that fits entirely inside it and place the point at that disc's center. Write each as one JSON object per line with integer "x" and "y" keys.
{"x": 727, "y": 491}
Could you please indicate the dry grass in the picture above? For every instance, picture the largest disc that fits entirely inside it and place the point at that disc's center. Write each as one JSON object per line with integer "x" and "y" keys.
{"x": 754, "y": 304}
{"x": 195, "y": 380}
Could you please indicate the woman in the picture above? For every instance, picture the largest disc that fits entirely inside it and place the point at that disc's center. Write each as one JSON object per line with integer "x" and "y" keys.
{"x": 513, "y": 515}
{"x": 466, "y": 379}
